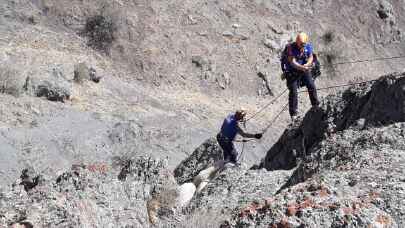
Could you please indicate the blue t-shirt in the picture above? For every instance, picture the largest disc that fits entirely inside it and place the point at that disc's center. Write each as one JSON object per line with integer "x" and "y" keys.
{"x": 300, "y": 57}
{"x": 229, "y": 127}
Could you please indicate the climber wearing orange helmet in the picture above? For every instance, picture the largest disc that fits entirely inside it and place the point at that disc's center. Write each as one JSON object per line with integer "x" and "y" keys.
{"x": 298, "y": 69}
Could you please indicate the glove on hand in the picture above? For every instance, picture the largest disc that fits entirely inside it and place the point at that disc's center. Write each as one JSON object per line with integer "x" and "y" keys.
{"x": 258, "y": 136}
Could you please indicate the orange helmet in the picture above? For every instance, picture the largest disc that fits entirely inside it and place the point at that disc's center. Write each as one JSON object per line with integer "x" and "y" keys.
{"x": 302, "y": 38}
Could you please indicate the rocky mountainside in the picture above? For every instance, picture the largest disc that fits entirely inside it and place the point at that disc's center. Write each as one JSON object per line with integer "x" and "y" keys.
{"x": 167, "y": 72}
{"x": 351, "y": 175}
{"x": 95, "y": 95}
{"x": 348, "y": 157}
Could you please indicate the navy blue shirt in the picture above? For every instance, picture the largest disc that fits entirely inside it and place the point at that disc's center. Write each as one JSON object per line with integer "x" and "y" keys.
{"x": 300, "y": 57}
{"x": 229, "y": 127}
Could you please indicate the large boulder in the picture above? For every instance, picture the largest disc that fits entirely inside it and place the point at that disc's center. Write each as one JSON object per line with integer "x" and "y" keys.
{"x": 208, "y": 174}
{"x": 11, "y": 80}
{"x": 84, "y": 73}
{"x": 186, "y": 193}
{"x": 235, "y": 187}
{"x": 52, "y": 84}
{"x": 204, "y": 156}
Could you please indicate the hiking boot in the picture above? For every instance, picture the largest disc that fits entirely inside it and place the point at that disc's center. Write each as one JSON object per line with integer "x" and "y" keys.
{"x": 295, "y": 121}
{"x": 295, "y": 118}
{"x": 233, "y": 165}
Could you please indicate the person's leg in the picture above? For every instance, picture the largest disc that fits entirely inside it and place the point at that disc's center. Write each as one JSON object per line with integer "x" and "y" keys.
{"x": 227, "y": 147}
{"x": 292, "y": 85}
{"x": 234, "y": 154}
{"x": 310, "y": 84}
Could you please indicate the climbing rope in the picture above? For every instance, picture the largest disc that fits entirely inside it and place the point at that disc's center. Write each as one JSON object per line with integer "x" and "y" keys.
{"x": 243, "y": 141}
{"x": 318, "y": 89}
{"x": 302, "y": 91}
{"x": 275, "y": 118}
{"x": 240, "y": 159}
{"x": 267, "y": 105}
{"x": 343, "y": 85}
{"x": 285, "y": 106}
{"x": 365, "y": 60}
{"x": 330, "y": 87}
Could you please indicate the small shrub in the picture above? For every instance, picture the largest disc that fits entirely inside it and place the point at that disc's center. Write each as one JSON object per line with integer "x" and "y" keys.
{"x": 328, "y": 63}
{"x": 328, "y": 37}
{"x": 101, "y": 32}
{"x": 9, "y": 81}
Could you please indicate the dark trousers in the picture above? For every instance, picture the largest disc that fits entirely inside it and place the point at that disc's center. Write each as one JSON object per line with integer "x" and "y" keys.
{"x": 230, "y": 153}
{"x": 294, "y": 81}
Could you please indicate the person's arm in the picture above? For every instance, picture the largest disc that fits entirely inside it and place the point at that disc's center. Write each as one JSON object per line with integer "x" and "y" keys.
{"x": 293, "y": 62}
{"x": 246, "y": 134}
{"x": 243, "y": 133}
{"x": 296, "y": 65}
{"x": 309, "y": 61}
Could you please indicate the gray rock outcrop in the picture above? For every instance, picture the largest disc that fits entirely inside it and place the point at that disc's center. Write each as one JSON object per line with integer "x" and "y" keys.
{"x": 53, "y": 85}
{"x": 82, "y": 73}
{"x": 236, "y": 187}
{"x": 204, "y": 156}
{"x": 88, "y": 195}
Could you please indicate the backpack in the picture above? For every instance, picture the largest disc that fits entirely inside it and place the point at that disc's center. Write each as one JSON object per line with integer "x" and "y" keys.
{"x": 284, "y": 59}
{"x": 316, "y": 66}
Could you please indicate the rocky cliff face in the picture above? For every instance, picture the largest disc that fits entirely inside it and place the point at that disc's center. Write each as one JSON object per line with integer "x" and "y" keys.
{"x": 363, "y": 106}
{"x": 349, "y": 156}
{"x": 350, "y": 174}
{"x": 204, "y": 156}
{"x": 170, "y": 70}
{"x": 85, "y": 82}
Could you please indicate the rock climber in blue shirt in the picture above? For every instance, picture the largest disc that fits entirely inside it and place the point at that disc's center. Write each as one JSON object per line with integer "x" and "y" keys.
{"x": 299, "y": 66}
{"x": 230, "y": 128}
